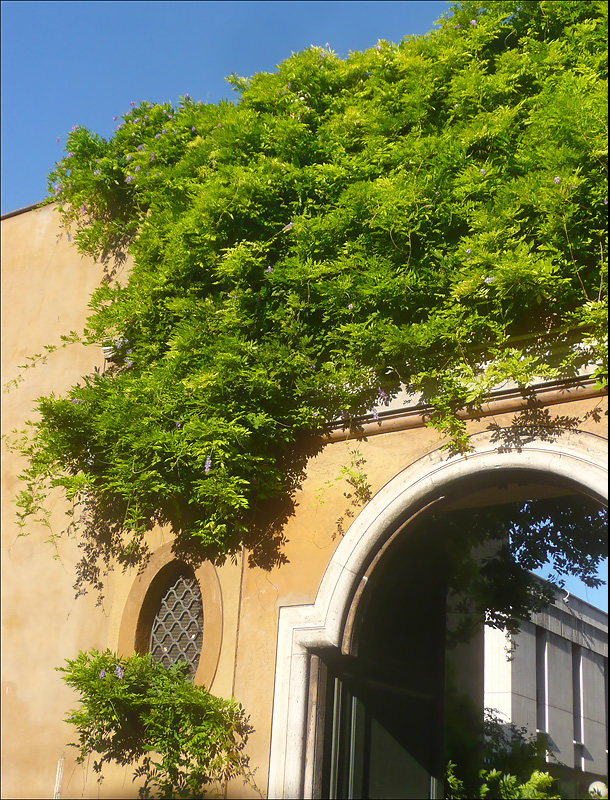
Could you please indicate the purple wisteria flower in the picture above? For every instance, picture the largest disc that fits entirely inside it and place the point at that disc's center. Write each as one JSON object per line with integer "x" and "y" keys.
{"x": 57, "y": 139}
{"x": 208, "y": 464}
{"x": 288, "y": 227}
{"x": 269, "y": 269}
{"x": 118, "y": 127}
{"x": 194, "y": 129}
{"x": 557, "y": 179}
{"x": 114, "y": 119}
{"x": 131, "y": 103}
{"x": 138, "y": 168}
{"x": 164, "y": 130}
{"x": 129, "y": 179}
{"x": 96, "y": 172}
{"x": 157, "y": 135}
{"x": 473, "y": 22}
{"x": 128, "y": 157}
{"x": 187, "y": 97}
{"x": 350, "y": 307}
{"x": 70, "y": 155}
{"x": 483, "y": 172}
{"x": 375, "y": 414}
{"x": 69, "y": 237}
{"x": 102, "y": 673}
{"x": 178, "y": 424}
{"x": 74, "y": 127}
{"x": 140, "y": 147}
{"x": 57, "y": 189}
{"x": 382, "y": 396}
{"x": 468, "y": 251}
{"x": 129, "y": 363}
{"x": 119, "y": 672}
{"x": 490, "y": 279}
{"x": 457, "y": 27}
{"x": 152, "y": 156}
{"x": 378, "y": 47}
{"x": 164, "y": 111}
{"x": 219, "y": 125}
{"x": 605, "y": 201}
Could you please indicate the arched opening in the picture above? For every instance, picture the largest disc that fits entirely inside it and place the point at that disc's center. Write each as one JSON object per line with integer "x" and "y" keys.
{"x": 406, "y": 691}
{"x": 569, "y": 462}
{"x": 171, "y": 622}
{"x": 146, "y": 596}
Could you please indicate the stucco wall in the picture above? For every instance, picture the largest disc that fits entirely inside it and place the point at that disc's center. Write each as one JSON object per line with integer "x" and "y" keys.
{"x": 46, "y": 285}
{"x": 45, "y": 290}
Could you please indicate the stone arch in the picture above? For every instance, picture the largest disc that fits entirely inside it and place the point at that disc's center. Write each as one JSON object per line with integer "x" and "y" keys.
{"x": 574, "y": 458}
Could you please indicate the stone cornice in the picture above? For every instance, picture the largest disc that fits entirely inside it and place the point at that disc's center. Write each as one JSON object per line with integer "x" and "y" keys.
{"x": 502, "y": 402}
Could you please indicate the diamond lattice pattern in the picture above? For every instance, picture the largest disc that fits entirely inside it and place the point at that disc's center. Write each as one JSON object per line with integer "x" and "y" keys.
{"x": 177, "y": 631}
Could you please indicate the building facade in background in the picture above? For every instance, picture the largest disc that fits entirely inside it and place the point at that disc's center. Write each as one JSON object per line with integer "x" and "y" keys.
{"x": 552, "y": 680}
{"x": 334, "y": 650}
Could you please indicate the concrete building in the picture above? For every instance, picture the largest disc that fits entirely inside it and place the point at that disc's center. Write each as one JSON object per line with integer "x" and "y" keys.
{"x": 552, "y": 680}
{"x": 319, "y": 646}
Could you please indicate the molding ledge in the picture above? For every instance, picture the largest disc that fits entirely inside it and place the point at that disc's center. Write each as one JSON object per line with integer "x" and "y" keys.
{"x": 502, "y": 402}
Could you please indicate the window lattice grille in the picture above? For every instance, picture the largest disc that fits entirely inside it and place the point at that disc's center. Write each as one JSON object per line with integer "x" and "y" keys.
{"x": 177, "y": 630}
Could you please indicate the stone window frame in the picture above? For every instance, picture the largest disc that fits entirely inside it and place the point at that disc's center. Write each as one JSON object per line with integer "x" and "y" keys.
{"x": 141, "y": 606}
{"x": 576, "y": 458}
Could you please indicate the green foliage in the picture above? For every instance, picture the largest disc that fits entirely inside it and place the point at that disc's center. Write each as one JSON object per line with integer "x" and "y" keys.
{"x": 134, "y": 711}
{"x": 398, "y": 218}
{"x": 504, "y": 787}
{"x": 489, "y": 555}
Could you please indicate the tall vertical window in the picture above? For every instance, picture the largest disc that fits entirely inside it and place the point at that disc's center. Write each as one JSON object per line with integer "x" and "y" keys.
{"x": 541, "y": 680}
{"x": 577, "y": 706}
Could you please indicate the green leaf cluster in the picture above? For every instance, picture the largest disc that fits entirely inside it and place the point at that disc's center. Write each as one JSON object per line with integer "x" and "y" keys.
{"x": 493, "y": 783}
{"x": 348, "y": 227}
{"x": 134, "y": 711}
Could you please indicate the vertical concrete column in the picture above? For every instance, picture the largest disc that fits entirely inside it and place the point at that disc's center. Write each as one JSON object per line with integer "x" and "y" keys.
{"x": 594, "y": 712}
{"x": 560, "y": 699}
{"x": 523, "y": 711}
{"x": 498, "y": 672}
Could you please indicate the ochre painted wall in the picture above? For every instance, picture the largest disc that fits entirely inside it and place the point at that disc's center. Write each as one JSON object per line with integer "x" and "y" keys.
{"x": 45, "y": 289}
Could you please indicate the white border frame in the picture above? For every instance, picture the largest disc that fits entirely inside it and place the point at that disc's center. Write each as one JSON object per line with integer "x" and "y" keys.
{"x": 577, "y": 456}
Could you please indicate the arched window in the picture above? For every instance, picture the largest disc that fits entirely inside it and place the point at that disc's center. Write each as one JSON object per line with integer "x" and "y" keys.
{"x": 171, "y": 623}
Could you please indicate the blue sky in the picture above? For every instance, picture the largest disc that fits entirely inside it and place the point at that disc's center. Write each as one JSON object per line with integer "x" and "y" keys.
{"x": 81, "y": 63}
